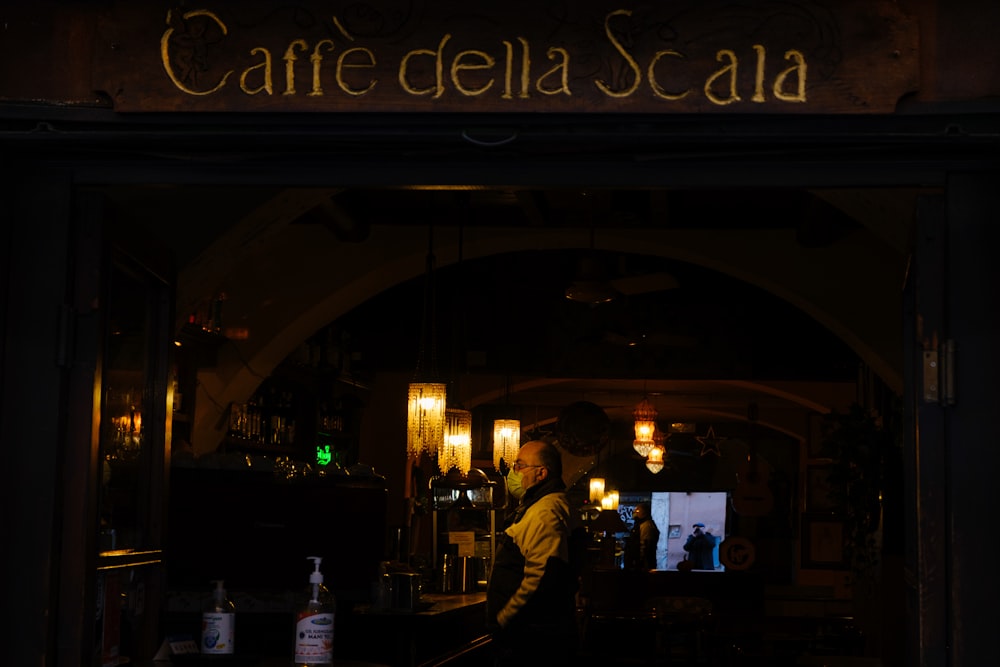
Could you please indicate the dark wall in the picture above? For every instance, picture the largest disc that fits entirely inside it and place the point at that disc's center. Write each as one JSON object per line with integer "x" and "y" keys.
{"x": 256, "y": 532}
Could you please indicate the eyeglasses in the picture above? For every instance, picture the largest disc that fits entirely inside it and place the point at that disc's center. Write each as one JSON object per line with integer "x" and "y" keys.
{"x": 521, "y": 466}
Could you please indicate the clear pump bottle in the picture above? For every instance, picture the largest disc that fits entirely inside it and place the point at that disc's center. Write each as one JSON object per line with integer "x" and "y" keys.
{"x": 314, "y": 622}
{"x": 218, "y": 624}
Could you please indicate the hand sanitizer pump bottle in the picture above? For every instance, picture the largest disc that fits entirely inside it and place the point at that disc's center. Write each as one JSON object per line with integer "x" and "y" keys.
{"x": 218, "y": 624}
{"x": 314, "y": 622}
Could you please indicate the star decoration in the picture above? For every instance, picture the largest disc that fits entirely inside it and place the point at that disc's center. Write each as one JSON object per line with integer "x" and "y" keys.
{"x": 710, "y": 443}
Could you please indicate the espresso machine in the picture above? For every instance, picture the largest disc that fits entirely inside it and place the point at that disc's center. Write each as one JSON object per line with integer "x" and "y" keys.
{"x": 464, "y": 523}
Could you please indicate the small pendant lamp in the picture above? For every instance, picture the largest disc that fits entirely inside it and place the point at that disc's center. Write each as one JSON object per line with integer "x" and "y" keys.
{"x": 654, "y": 462}
{"x": 506, "y": 441}
{"x": 610, "y": 501}
{"x": 506, "y": 434}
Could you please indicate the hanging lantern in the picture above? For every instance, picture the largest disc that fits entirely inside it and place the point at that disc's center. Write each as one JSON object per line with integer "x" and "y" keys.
{"x": 645, "y": 421}
{"x": 425, "y": 418}
{"x": 654, "y": 462}
{"x": 455, "y": 450}
{"x": 643, "y": 446}
{"x": 645, "y": 427}
{"x": 596, "y": 490}
{"x": 506, "y": 441}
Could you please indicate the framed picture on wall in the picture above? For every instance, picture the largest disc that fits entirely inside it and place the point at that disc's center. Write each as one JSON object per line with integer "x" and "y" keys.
{"x": 823, "y": 543}
{"x": 814, "y": 434}
{"x": 821, "y": 494}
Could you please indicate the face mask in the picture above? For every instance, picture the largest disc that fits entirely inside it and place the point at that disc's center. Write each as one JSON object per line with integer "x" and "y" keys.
{"x": 514, "y": 485}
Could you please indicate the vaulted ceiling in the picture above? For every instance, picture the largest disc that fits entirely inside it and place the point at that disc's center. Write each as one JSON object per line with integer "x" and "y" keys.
{"x": 679, "y": 325}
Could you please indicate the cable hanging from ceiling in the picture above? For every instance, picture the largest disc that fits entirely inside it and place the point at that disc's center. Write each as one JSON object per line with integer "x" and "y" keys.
{"x": 455, "y": 449}
{"x": 427, "y": 397}
{"x": 507, "y": 429}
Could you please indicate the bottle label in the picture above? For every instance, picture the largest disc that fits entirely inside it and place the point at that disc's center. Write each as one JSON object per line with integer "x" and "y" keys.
{"x": 217, "y": 633}
{"x": 314, "y": 638}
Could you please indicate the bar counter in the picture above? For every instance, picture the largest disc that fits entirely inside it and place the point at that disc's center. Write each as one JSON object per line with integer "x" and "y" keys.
{"x": 442, "y": 626}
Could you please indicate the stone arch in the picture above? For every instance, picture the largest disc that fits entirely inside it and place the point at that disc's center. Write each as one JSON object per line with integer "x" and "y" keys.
{"x": 851, "y": 287}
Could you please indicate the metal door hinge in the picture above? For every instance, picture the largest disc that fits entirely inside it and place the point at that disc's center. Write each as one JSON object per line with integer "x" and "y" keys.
{"x": 939, "y": 374}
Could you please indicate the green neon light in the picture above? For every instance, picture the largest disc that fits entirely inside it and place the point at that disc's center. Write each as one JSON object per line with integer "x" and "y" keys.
{"x": 323, "y": 455}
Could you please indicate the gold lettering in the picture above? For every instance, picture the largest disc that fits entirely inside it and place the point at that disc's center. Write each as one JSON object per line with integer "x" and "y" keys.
{"x": 340, "y": 26}
{"x": 562, "y": 68}
{"x": 486, "y": 62}
{"x": 658, "y": 90}
{"x": 438, "y": 87}
{"x": 191, "y": 39}
{"x": 290, "y": 59}
{"x": 186, "y": 59}
{"x": 525, "y": 69}
{"x": 729, "y": 69}
{"x": 800, "y": 68}
{"x": 267, "y": 86}
{"x": 524, "y": 92}
{"x": 317, "y": 60}
{"x": 633, "y": 65}
{"x": 758, "y": 80}
{"x": 508, "y": 69}
{"x": 342, "y": 65}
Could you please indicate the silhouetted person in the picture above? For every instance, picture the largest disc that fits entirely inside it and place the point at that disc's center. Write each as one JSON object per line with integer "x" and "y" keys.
{"x": 640, "y": 545}
{"x": 699, "y": 547}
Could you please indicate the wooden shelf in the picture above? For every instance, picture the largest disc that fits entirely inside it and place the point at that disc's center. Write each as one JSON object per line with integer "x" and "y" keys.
{"x": 237, "y": 444}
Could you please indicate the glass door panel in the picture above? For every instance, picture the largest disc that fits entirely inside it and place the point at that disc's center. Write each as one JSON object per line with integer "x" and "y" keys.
{"x": 131, "y": 426}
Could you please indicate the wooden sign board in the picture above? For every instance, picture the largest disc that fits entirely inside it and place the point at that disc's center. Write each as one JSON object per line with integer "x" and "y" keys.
{"x": 606, "y": 56}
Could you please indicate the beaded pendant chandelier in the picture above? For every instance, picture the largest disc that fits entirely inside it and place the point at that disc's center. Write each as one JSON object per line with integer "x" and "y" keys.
{"x": 425, "y": 418}
{"x": 456, "y": 445}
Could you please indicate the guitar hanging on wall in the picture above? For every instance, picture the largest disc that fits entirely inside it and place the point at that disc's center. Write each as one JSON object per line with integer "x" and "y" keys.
{"x": 752, "y": 496}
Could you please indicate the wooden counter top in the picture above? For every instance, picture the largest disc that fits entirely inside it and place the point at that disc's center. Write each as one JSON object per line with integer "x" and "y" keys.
{"x": 442, "y": 624}
{"x": 431, "y": 604}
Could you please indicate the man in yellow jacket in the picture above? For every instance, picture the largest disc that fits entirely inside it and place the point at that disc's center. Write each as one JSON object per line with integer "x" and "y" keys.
{"x": 531, "y": 596}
